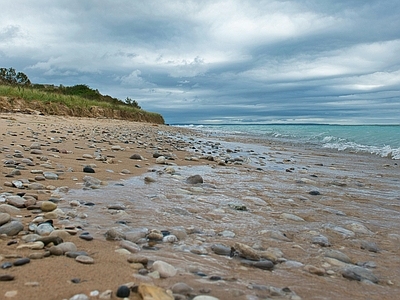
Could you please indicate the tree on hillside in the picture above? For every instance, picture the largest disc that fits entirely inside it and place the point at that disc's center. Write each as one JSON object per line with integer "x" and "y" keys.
{"x": 10, "y": 76}
{"x": 132, "y": 103}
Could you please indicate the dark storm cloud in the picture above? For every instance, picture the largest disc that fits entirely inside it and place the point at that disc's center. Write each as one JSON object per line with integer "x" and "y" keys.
{"x": 217, "y": 61}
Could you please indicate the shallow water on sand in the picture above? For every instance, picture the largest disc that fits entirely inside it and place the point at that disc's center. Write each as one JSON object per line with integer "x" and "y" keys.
{"x": 359, "y": 193}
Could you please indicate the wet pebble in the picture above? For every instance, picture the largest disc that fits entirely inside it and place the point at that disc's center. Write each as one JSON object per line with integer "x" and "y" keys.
{"x": 370, "y": 246}
{"x": 123, "y": 291}
{"x": 221, "y": 249}
{"x": 88, "y": 169}
{"x": 321, "y": 240}
{"x": 359, "y": 274}
{"x": 75, "y": 254}
{"x": 181, "y": 288}
{"x": 86, "y": 236}
{"x": 21, "y": 261}
{"x": 130, "y": 246}
{"x": 164, "y": 269}
{"x": 194, "y": 179}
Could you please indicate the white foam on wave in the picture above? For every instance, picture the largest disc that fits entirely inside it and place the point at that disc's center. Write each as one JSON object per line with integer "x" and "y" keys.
{"x": 385, "y": 151}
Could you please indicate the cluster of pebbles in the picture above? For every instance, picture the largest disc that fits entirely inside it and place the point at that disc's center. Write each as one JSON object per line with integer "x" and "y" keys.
{"x": 205, "y": 220}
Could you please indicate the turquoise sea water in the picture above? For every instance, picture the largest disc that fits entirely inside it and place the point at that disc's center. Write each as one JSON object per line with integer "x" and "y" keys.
{"x": 382, "y": 140}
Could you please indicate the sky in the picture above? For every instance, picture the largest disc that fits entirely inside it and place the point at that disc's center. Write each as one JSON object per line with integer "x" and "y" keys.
{"x": 211, "y": 62}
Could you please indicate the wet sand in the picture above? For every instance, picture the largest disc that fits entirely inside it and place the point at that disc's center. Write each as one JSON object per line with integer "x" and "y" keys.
{"x": 277, "y": 199}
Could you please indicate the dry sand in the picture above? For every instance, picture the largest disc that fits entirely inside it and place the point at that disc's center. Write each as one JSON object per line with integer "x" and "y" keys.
{"x": 66, "y": 141}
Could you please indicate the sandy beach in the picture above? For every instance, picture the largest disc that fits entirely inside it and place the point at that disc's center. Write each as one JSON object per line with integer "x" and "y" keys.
{"x": 160, "y": 212}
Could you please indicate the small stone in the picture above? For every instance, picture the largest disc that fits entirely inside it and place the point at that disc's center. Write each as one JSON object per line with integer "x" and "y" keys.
{"x": 314, "y": 270}
{"x": 44, "y": 229}
{"x": 123, "y": 291}
{"x": 106, "y": 295}
{"x": 11, "y": 294}
{"x": 6, "y": 277}
{"x": 314, "y": 193}
{"x": 37, "y": 255}
{"x": 21, "y": 261}
{"x": 221, "y": 249}
{"x": 170, "y": 239}
{"x": 114, "y": 234}
{"x": 246, "y": 251}
{"x": 130, "y": 246}
{"x": 62, "y": 248}
{"x": 195, "y": 179}
{"x": 47, "y": 206}
{"x": 88, "y": 169}
{"x": 4, "y": 218}
{"x": 204, "y": 297}
{"x": 6, "y": 265}
{"x": 9, "y": 209}
{"x": 136, "y": 157}
{"x": 321, "y": 240}
{"x": 79, "y": 297}
{"x": 338, "y": 255}
{"x": 138, "y": 259}
{"x": 85, "y": 259}
{"x": 359, "y": 274}
{"x": 370, "y": 246}
{"x": 11, "y": 228}
{"x": 75, "y": 254}
{"x": 33, "y": 245}
{"x": 155, "y": 235}
{"x": 181, "y": 288}
{"x": 86, "y": 236}
{"x": 148, "y": 291}
{"x": 166, "y": 270}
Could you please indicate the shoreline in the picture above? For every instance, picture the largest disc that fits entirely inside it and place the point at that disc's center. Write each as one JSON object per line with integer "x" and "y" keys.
{"x": 274, "y": 190}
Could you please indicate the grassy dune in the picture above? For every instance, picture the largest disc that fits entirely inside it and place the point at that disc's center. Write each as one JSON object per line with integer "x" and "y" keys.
{"x": 14, "y": 98}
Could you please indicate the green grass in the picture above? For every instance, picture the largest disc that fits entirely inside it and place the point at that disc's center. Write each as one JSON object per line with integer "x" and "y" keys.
{"x": 78, "y": 106}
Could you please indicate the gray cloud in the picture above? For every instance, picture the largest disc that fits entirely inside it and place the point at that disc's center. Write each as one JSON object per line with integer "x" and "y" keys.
{"x": 210, "y": 61}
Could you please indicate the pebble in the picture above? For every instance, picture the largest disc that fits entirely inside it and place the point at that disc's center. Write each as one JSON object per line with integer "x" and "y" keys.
{"x": 246, "y": 251}
{"x": 181, "y": 288}
{"x": 4, "y": 218}
{"x": 79, "y": 297}
{"x": 147, "y": 291}
{"x": 359, "y": 274}
{"x": 370, "y": 246}
{"x": 86, "y": 236}
{"x": 6, "y": 277}
{"x": 22, "y": 261}
{"x": 338, "y": 255}
{"x": 123, "y": 291}
{"x": 12, "y": 228}
{"x": 44, "y": 229}
{"x": 314, "y": 270}
{"x": 9, "y": 209}
{"x": 84, "y": 259}
{"x": 47, "y": 206}
{"x": 321, "y": 240}
{"x": 166, "y": 270}
{"x": 221, "y": 249}
{"x": 194, "y": 179}
{"x": 75, "y": 254}
{"x": 291, "y": 217}
{"x": 205, "y": 297}
{"x": 11, "y": 294}
{"x": 130, "y": 246}
{"x": 88, "y": 169}
{"x": 62, "y": 248}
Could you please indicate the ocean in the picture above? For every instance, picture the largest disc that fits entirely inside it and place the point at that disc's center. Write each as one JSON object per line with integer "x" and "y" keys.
{"x": 381, "y": 140}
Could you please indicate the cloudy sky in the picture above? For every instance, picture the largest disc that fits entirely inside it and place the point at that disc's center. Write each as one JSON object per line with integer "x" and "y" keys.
{"x": 217, "y": 61}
